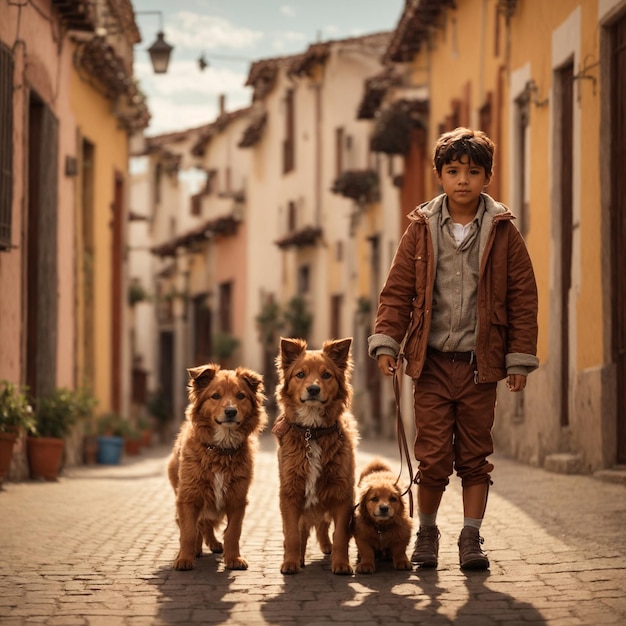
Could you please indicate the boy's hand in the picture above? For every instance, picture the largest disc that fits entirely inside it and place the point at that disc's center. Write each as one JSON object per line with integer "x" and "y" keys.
{"x": 386, "y": 364}
{"x": 515, "y": 382}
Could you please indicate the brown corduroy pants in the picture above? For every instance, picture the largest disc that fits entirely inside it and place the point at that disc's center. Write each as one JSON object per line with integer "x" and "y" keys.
{"x": 453, "y": 418}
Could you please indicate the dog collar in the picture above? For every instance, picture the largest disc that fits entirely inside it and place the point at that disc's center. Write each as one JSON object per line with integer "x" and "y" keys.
{"x": 225, "y": 451}
{"x": 315, "y": 432}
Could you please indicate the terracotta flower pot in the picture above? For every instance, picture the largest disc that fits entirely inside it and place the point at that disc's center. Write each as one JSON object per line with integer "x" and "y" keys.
{"x": 7, "y": 441}
{"x": 44, "y": 457}
{"x": 90, "y": 450}
{"x": 132, "y": 446}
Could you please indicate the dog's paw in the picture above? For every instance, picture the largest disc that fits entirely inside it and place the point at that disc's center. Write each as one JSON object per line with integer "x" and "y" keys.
{"x": 183, "y": 565}
{"x": 289, "y": 567}
{"x": 342, "y": 569}
{"x": 326, "y": 548}
{"x": 365, "y": 568}
{"x": 216, "y": 548}
{"x": 403, "y": 564}
{"x": 237, "y": 563}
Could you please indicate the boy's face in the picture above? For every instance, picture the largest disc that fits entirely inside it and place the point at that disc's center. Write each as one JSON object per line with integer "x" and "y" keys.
{"x": 463, "y": 182}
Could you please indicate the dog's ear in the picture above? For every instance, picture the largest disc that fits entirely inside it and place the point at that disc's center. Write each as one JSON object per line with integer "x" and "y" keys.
{"x": 253, "y": 379}
{"x": 364, "y": 496}
{"x": 338, "y": 350}
{"x": 290, "y": 350}
{"x": 202, "y": 375}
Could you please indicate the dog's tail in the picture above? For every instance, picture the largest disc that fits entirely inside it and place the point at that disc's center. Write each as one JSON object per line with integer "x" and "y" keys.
{"x": 377, "y": 465}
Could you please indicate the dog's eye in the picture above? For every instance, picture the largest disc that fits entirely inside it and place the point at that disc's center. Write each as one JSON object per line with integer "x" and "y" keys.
{"x": 300, "y": 375}
{"x": 216, "y": 396}
{"x": 393, "y": 499}
{"x": 326, "y": 375}
{"x": 374, "y": 498}
{"x": 241, "y": 395}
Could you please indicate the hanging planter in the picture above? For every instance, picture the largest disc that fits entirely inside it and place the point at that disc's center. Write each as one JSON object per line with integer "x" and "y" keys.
{"x": 360, "y": 185}
{"x": 392, "y": 130}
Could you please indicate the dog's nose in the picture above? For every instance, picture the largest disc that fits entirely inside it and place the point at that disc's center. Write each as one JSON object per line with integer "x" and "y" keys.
{"x": 230, "y": 412}
{"x": 383, "y": 509}
{"x": 313, "y": 390}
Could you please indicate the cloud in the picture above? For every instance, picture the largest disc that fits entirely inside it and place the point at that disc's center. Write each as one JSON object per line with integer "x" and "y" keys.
{"x": 186, "y": 97}
{"x": 287, "y": 10}
{"x": 194, "y": 31}
{"x": 290, "y": 41}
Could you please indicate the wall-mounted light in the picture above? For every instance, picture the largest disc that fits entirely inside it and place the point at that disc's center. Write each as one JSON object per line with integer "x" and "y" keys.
{"x": 160, "y": 50}
{"x": 531, "y": 91}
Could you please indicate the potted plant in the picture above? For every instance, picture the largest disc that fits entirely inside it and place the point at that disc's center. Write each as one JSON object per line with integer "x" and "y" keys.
{"x": 144, "y": 426}
{"x": 132, "y": 438}
{"x": 160, "y": 408}
{"x": 110, "y": 438}
{"x": 55, "y": 415}
{"x": 16, "y": 415}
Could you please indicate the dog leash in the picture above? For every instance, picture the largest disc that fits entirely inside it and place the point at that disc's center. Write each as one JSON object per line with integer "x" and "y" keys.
{"x": 403, "y": 446}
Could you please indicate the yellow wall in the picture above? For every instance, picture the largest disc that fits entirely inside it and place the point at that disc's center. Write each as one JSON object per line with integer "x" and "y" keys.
{"x": 532, "y": 44}
{"x": 96, "y": 123}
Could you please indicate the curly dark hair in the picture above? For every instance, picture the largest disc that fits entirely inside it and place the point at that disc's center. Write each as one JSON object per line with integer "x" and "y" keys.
{"x": 464, "y": 142}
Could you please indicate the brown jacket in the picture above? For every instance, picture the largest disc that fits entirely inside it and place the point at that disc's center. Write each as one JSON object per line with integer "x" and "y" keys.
{"x": 506, "y": 335}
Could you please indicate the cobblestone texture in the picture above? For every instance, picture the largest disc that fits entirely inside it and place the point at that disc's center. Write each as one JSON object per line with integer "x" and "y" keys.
{"x": 96, "y": 548}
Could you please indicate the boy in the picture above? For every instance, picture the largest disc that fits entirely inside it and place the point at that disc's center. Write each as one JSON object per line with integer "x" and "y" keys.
{"x": 460, "y": 304}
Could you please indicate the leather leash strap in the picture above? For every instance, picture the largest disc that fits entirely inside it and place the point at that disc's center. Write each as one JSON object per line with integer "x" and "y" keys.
{"x": 403, "y": 446}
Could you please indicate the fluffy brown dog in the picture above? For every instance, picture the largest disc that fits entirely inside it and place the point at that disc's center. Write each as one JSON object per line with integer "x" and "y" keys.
{"x": 317, "y": 437}
{"x": 381, "y": 524}
{"x": 212, "y": 461}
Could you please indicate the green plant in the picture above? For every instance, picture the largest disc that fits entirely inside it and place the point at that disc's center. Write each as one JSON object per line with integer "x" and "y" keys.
{"x": 224, "y": 345}
{"x": 360, "y": 185}
{"x": 15, "y": 410}
{"x": 392, "y": 130}
{"x": 159, "y": 407}
{"x": 136, "y": 293}
{"x": 111, "y": 424}
{"x": 269, "y": 323}
{"x": 298, "y": 319}
{"x": 56, "y": 413}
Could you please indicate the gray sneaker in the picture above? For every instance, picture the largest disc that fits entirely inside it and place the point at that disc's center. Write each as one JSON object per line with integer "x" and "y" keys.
{"x": 426, "y": 551}
{"x": 471, "y": 555}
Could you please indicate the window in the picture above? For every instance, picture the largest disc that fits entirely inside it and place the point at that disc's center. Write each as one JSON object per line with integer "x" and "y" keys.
{"x": 304, "y": 278}
{"x": 202, "y": 330}
{"x": 339, "y": 141}
{"x": 158, "y": 170}
{"x": 226, "y": 307}
{"x": 6, "y": 146}
{"x": 291, "y": 216}
{"x": 336, "y": 303}
{"x": 289, "y": 141}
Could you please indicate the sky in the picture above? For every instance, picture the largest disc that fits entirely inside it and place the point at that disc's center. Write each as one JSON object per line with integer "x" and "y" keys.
{"x": 232, "y": 34}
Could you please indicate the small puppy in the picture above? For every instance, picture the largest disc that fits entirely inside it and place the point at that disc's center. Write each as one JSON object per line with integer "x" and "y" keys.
{"x": 211, "y": 464}
{"x": 381, "y": 526}
{"x": 316, "y": 438}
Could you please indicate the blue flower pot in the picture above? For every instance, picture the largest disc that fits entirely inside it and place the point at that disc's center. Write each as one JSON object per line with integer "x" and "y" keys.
{"x": 110, "y": 450}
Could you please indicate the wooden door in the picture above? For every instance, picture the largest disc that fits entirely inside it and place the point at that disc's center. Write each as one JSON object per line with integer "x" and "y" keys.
{"x": 618, "y": 225}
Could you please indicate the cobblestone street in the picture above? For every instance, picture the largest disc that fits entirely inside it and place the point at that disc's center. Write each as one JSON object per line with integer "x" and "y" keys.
{"x": 96, "y": 548}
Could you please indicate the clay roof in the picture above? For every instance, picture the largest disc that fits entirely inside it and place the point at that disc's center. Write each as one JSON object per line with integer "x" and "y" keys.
{"x": 418, "y": 18}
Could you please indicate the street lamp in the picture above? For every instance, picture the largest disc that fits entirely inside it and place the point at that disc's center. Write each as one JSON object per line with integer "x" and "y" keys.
{"x": 160, "y": 50}
{"x": 159, "y": 53}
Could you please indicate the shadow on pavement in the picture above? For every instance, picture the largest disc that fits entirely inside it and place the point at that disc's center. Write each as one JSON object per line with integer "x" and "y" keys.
{"x": 196, "y": 596}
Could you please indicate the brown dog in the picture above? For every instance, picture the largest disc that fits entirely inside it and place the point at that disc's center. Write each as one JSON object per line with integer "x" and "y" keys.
{"x": 212, "y": 461}
{"x": 317, "y": 437}
{"x": 381, "y": 525}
